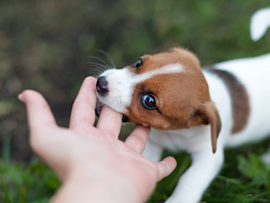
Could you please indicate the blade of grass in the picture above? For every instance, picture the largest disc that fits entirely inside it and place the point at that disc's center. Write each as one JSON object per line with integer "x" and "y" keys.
{"x": 268, "y": 191}
{"x": 22, "y": 196}
{"x": 230, "y": 180}
{"x": 5, "y": 191}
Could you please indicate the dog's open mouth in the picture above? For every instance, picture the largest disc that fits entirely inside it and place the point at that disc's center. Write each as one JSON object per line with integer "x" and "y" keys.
{"x": 99, "y": 107}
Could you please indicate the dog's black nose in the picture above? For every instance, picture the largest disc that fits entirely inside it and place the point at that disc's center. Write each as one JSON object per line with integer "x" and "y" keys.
{"x": 102, "y": 85}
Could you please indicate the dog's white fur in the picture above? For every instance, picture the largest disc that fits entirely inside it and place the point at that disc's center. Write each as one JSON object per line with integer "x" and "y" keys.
{"x": 196, "y": 140}
{"x": 259, "y": 23}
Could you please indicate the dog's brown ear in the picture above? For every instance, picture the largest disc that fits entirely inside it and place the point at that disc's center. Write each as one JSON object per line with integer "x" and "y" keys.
{"x": 207, "y": 114}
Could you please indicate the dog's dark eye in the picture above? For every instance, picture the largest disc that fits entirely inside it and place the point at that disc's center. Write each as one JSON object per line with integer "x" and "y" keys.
{"x": 137, "y": 64}
{"x": 148, "y": 102}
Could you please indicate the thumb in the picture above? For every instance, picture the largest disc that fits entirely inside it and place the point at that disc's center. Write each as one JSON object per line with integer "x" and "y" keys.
{"x": 166, "y": 167}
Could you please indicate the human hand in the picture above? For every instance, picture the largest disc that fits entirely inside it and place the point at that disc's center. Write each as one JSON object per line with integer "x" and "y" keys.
{"x": 91, "y": 162}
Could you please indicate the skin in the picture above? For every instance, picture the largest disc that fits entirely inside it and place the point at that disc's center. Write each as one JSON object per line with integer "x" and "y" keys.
{"x": 93, "y": 165}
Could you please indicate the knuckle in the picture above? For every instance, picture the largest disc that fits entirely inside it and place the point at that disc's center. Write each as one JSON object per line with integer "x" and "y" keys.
{"x": 137, "y": 144}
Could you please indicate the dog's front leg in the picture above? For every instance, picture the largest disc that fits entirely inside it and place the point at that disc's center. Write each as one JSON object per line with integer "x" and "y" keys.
{"x": 192, "y": 184}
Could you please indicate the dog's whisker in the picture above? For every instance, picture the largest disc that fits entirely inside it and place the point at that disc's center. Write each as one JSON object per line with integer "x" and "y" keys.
{"x": 103, "y": 64}
{"x": 95, "y": 73}
{"x": 97, "y": 69}
{"x": 95, "y": 63}
{"x": 101, "y": 60}
{"x": 105, "y": 58}
{"x": 100, "y": 66}
{"x": 108, "y": 58}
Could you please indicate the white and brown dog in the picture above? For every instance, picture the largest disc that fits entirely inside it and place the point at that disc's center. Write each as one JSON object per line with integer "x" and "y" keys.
{"x": 181, "y": 103}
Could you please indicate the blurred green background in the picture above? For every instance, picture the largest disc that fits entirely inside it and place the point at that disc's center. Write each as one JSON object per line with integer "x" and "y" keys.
{"x": 45, "y": 45}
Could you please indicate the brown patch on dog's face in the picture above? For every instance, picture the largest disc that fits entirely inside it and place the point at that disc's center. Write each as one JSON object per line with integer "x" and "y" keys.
{"x": 176, "y": 55}
{"x": 180, "y": 98}
{"x": 176, "y": 95}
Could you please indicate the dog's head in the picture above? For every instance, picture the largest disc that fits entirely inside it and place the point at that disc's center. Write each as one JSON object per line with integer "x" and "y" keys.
{"x": 164, "y": 91}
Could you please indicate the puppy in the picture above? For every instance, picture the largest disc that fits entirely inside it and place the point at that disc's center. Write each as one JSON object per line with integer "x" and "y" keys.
{"x": 202, "y": 112}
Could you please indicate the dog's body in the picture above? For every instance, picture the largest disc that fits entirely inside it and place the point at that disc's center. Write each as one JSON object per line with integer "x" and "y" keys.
{"x": 170, "y": 93}
{"x": 196, "y": 140}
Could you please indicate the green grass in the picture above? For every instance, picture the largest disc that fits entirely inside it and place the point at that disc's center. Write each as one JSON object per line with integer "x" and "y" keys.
{"x": 27, "y": 183}
{"x": 32, "y": 183}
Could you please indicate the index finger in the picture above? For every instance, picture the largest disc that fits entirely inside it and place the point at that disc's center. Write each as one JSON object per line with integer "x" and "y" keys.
{"x": 83, "y": 109}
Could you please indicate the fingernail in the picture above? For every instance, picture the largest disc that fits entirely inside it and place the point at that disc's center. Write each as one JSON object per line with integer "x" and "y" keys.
{"x": 20, "y": 97}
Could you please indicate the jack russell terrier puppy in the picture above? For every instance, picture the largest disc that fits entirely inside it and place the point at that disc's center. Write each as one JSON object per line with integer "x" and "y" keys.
{"x": 202, "y": 111}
